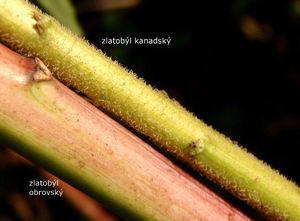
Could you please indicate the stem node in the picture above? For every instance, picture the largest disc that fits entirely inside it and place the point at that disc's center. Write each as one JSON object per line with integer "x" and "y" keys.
{"x": 42, "y": 73}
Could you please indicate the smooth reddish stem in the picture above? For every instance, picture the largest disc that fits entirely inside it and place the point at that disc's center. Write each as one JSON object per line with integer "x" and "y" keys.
{"x": 75, "y": 141}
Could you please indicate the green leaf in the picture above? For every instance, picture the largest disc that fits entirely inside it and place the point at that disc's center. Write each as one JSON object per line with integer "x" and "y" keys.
{"x": 63, "y": 11}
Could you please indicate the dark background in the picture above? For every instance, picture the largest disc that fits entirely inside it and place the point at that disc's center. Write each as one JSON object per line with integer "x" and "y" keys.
{"x": 234, "y": 63}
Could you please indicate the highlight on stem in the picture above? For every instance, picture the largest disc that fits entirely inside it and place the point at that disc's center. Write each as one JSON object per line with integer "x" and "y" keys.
{"x": 119, "y": 92}
{"x": 52, "y": 126}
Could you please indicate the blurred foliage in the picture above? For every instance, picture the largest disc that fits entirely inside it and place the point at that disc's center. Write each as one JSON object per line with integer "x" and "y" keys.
{"x": 255, "y": 30}
{"x": 63, "y": 11}
{"x": 234, "y": 63}
{"x": 15, "y": 202}
{"x": 104, "y": 5}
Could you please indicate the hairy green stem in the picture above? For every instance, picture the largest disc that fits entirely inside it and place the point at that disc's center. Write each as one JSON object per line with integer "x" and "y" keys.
{"x": 149, "y": 111}
{"x": 48, "y": 123}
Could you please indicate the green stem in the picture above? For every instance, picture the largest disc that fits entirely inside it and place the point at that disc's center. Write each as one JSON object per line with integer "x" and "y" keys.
{"x": 48, "y": 123}
{"x": 149, "y": 111}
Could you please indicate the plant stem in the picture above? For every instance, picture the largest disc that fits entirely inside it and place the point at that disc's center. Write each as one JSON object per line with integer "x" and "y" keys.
{"x": 87, "y": 206}
{"x": 149, "y": 111}
{"x": 45, "y": 121}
